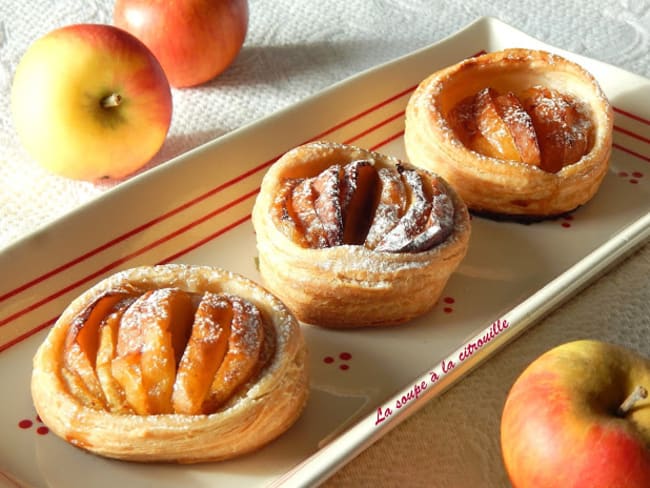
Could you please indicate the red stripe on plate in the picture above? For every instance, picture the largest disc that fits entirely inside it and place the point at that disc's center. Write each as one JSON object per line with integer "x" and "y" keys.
{"x": 632, "y": 134}
{"x": 232, "y": 225}
{"x": 134, "y": 231}
{"x": 361, "y": 114}
{"x": 125, "y": 258}
{"x": 375, "y": 127}
{"x": 633, "y": 153}
{"x": 387, "y": 140}
{"x": 215, "y": 190}
{"x": 27, "y": 334}
{"x": 191, "y": 203}
{"x": 50, "y": 322}
{"x": 632, "y": 116}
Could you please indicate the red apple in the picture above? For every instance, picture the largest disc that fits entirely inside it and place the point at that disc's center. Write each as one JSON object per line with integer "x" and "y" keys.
{"x": 566, "y": 421}
{"x": 194, "y": 40}
{"x": 91, "y": 101}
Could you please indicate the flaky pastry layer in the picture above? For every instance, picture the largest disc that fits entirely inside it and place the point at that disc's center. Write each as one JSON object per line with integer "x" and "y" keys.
{"x": 494, "y": 186}
{"x": 265, "y": 408}
{"x": 350, "y": 285}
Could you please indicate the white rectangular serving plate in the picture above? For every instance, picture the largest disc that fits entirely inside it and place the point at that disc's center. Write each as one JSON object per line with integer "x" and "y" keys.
{"x": 196, "y": 209}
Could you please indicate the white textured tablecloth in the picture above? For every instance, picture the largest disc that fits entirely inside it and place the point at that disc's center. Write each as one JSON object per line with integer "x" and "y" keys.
{"x": 296, "y": 48}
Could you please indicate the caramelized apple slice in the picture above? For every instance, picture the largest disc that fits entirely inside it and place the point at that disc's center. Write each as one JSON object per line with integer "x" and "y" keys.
{"x": 244, "y": 346}
{"x": 327, "y": 186}
{"x": 151, "y": 340}
{"x": 203, "y": 354}
{"x": 358, "y": 199}
{"x": 390, "y": 208}
{"x": 563, "y": 129}
{"x": 440, "y": 223}
{"x": 387, "y": 209}
{"x": 462, "y": 120}
{"x": 284, "y": 214}
{"x": 492, "y": 137}
{"x": 108, "y": 332}
{"x": 82, "y": 342}
{"x": 77, "y": 387}
{"x": 505, "y": 130}
{"x": 520, "y": 126}
{"x": 303, "y": 202}
{"x": 415, "y": 217}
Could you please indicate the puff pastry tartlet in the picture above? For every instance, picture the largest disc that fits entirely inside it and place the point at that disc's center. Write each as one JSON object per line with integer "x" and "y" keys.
{"x": 519, "y": 133}
{"x": 172, "y": 363}
{"x": 349, "y": 237}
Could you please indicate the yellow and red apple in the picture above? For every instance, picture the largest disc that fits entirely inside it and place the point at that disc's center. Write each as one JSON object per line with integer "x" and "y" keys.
{"x": 577, "y": 417}
{"x": 194, "y": 40}
{"x": 91, "y": 101}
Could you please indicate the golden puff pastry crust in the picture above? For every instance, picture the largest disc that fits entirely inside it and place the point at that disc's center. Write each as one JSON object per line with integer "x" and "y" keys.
{"x": 508, "y": 187}
{"x": 352, "y": 238}
{"x": 172, "y": 363}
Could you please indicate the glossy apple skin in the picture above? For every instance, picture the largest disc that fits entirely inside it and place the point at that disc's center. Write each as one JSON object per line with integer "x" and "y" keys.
{"x": 56, "y": 102}
{"x": 194, "y": 40}
{"x": 559, "y": 426}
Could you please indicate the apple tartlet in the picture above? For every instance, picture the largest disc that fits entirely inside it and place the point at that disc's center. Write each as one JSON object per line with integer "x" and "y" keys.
{"x": 172, "y": 363}
{"x": 520, "y": 134}
{"x": 348, "y": 237}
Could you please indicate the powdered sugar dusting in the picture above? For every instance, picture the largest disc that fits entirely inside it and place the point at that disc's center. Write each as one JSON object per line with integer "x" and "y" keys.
{"x": 428, "y": 221}
{"x": 554, "y": 107}
{"x": 396, "y": 208}
{"x": 328, "y": 204}
{"x": 247, "y": 329}
{"x": 147, "y": 347}
{"x": 391, "y": 206}
{"x": 303, "y": 203}
{"x": 566, "y": 134}
{"x": 413, "y": 220}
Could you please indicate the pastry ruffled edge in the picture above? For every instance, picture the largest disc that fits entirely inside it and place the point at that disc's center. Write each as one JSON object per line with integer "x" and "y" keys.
{"x": 350, "y": 286}
{"x": 500, "y": 189}
{"x": 250, "y": 420}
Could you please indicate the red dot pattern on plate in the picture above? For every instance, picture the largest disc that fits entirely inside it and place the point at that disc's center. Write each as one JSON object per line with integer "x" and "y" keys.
{"x": 28, "y": 424}
{"x": 448, "y": 301}
{"x": 344, "y": 356}
{"x": 632, "y": 178}
{"x": 566, "y": 221}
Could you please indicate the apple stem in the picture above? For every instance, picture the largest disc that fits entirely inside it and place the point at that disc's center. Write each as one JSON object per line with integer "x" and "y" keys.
{"x": 639, "y": 393}
{"x": 112, "y": 100}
